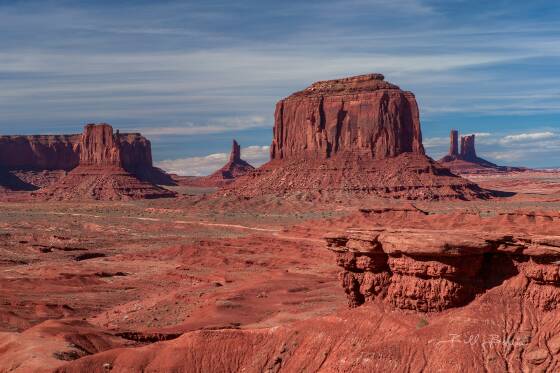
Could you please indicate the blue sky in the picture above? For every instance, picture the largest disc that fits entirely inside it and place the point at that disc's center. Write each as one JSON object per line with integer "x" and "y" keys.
{"x": 192, "y": 75}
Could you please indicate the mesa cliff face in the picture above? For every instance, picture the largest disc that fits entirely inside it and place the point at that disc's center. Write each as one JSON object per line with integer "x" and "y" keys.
{"x": 40, "y": 152}
{"x": 359, "y": 115}
{"x": 101, "y": 147}
{"x": 434, "y": 269}
{"x": 347, "y": 137}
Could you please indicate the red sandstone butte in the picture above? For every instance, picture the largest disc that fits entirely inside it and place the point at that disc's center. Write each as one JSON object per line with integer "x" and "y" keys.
{"x": 107, "y": 169}
{"x": 466, "y": 161}
{"x": 234, "y": 168}
{"x": 358, "y": 115}
{"x": 357, "y": 135}
{"x": 32, "y": 162}
{"x": 454, "y": 143}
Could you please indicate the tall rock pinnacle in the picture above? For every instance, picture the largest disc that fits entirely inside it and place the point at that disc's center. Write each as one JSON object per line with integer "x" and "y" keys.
{"x": 235, "y": 155}
{"x": 454, "y": 143}
{"x": 466, "y": 161}
{"x": 468, "y": 151}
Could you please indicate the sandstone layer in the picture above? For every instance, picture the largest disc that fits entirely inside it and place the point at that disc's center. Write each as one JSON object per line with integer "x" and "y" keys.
{"x": 358, "y": 135}
{"x": 432, "y": 270}
{"x": 435, "y": 265}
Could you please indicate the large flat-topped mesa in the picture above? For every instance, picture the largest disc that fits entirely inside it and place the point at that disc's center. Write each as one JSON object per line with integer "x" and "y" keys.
{"x": 361, "y": 116}
{"x": 357, "y": 135}
{"x": 40, "y": 152}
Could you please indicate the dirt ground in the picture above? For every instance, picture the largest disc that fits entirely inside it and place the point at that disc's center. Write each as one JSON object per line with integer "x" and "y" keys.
{"x": 144, "y": 271}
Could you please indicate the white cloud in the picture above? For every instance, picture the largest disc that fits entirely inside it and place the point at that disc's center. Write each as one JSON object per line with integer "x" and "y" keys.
{"x": 432, "y": 142}
{"x": 199, "y": 166}
{"x": 220, "y": 125}
{"x": 506, "y": 155}
{"x": 482, "y": 134}
{"x": 524, "y": 137}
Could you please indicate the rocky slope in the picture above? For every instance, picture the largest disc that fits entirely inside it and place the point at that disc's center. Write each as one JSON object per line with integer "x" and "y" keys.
{"x": 105, "y": 171}
{"x": 438, "y": 297}
{"x": 358, "y": 135}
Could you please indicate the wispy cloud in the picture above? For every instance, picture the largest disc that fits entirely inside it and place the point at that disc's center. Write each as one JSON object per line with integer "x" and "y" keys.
{"x": 179, "y": 68}
{"x": 529, "y": 137}
{"x": 219, "y": 126}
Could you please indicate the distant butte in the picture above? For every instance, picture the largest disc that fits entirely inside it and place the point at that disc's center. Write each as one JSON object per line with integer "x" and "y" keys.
{"x": 466, "y": 161}
{"x": 233, "y": 169}
{"x": 30, "y": 163}
{"x": 107, "y": 168}
{"x": 356, "y": 135}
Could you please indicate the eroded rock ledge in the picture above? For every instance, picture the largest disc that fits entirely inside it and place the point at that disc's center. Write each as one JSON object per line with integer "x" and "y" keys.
{"x": 432, "y": 270}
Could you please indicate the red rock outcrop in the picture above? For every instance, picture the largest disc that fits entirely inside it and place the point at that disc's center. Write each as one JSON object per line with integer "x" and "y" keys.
{"x": 40, "y": 152}
{"x": 108, "y": 168}
{"x": 32, "y": 162}
{"x": 358, "y": 135}
{"x": 468, "y": 151}
{"x": 358, "y": 115}
{"x": 454, "y": 143}
{"x": 234, "y": 168}
{"x": 102, "y": 147}
{"x": 466, "y": 161}
{"x": 433, "y": 269}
